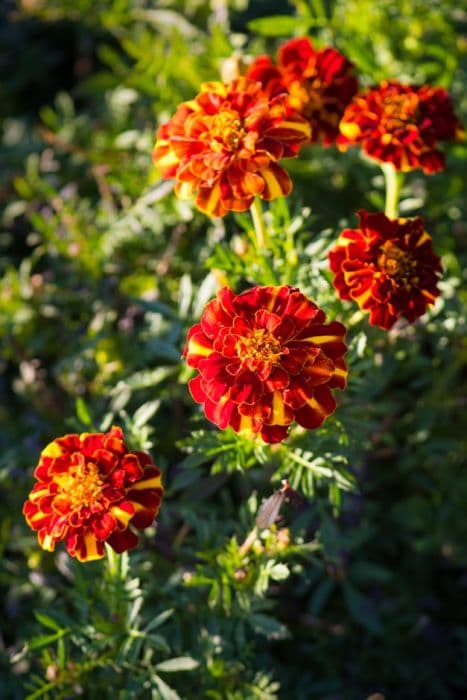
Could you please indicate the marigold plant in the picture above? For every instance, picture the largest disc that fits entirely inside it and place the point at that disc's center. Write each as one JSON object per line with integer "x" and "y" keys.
{"x": 265, "y": 358}
{"x": 90, "y": 490}
{"x": 222, "y": 147}
{"x": 401, "y": 124}
{"x": 320, "y": 84}
{"x": 387, "y": 266}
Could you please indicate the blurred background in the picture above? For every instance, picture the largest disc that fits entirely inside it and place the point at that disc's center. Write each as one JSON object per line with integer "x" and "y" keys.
{"x": 102, "y": 270}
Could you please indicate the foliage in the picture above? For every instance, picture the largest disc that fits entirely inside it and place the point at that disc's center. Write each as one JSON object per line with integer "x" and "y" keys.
{"x": 360, "y": 588}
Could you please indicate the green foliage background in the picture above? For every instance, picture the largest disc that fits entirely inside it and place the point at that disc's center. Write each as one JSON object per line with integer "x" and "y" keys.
{"x": 103, "y": 270}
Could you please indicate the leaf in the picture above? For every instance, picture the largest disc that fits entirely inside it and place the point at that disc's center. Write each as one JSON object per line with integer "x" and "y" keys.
{"x": 279, "y": 25}
{"x": 179, "y": 663}
{"x": 166, "y": 692}
{"x": 321, "y": 595}
{"x": 167, "y": 19}
{"x": 366, "y": 571}
{"x": 159, "y": 620}
{"x": 47, "y": 621}
{"x": 46, "y": 639}
{"x": 145, "y": 412}
{"x": 362, "y": 609}
{"x": 269, "y": 626}
{"x": 158, "y": 642}
{"x": 82, "y": 412}
{"x": 40, "y": 691}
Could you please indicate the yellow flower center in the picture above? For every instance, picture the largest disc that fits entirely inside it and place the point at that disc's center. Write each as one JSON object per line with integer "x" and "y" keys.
{"x": 399, "y": 110}
{"x": 260, "y": 346}
{"x": 81, "y": 485}
{"x": 226, "y": 130}
{"x": 395, "y": 262}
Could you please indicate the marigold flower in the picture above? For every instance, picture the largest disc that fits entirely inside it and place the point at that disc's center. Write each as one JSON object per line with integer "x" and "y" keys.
{"x": 265, "y": 358}
{"x": 320, "y": 84}
{"x": 387, "y": 266}
{"x": 222, "y": 147}
{"x": 401, "y": 124}
{"x": 91, "y": 489}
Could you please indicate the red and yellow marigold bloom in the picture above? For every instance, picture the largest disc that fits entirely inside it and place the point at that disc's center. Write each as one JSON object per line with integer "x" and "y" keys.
{"x": 223, "y": 146}
{"x": 265, "y": 358}
{"x": 90, "y": 490}
{"x": 320, "y": 84}
{"x": 402, "y": 125}
{"x": 388, "y": 267}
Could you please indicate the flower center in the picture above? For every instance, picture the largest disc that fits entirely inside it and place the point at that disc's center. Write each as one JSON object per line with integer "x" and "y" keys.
{"x": 399, "y": 110}
{"x": 306, "y": 97}
{"x": 82, "y": 485}
{"x": 226, "y": 129}
{"x": 395, "y": 262}
{"x": 260, "y": 346}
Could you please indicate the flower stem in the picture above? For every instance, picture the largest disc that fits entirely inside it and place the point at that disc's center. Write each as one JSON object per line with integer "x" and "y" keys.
{"x": 251, "y": 537}
{"x": 258, "y": 222}
{"x": 115, "y": 575}
{"x": 393, "y": 181}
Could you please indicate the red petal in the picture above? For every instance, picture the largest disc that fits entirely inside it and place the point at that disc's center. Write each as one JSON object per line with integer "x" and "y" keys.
{"x": 329, "y": 337}
{"x": 198, "y": 346}
{"x": 196, "y": 389}
{"x": 316, "y": 409}
{"x": 246, "y": 389}
{"x": 214, "y": 367}
{"x": 278, "y": 379}
{"x": 267, "y": 320}
{"x": 297, "y": 356}
{"x": 84, "y": 546}
{"x": 132, "y": 468}
{"x": 213, "y": 318}
{"x": 105, "y": 460}
{"x": 274, "y": 433}
{"x": 102, "y": 525}
{"x": 277, "y": 183}
{"x": 123, "y": 541}
{"x": 219, "y": 413}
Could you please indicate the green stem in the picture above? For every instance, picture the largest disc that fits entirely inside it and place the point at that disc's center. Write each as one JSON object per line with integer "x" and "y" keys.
{"x": 117, "y": 567}
{"x": 113, "y": 566}
{"x": 258, "y": 223}
{"x": 393, "y": 180}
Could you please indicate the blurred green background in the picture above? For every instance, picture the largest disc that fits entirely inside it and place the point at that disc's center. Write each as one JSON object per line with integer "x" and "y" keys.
{"x": 101, "y": 272}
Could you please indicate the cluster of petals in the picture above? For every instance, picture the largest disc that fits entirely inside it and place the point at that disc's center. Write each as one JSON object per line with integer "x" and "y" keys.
{"x": 320, "y": 84}
{"x": 402, "y": 125}
{"x": 266, "y": 358}
{"x": 387, "y": 266}
{"x": 90, "y": 490}
{"x": 223, "y": 146}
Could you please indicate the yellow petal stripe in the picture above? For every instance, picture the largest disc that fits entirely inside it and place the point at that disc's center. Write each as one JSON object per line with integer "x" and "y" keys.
{"x": 91, "y": 549}
{"x": 122, "y": 515}
{"x": 53, "y": 449}
{"x": 195, "y": 348}
{"x": 153, "y": 483}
